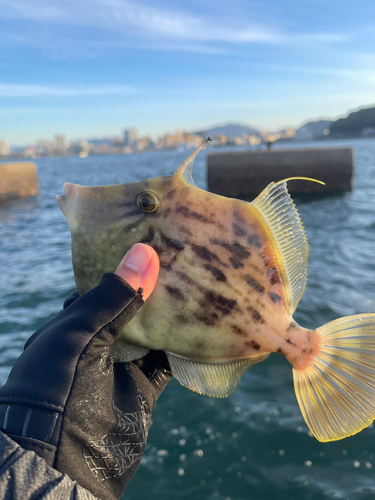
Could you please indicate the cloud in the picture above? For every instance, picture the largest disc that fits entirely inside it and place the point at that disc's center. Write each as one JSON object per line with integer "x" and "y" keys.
{"x": 20, "y": 90}
{"x": 132, "y": 20}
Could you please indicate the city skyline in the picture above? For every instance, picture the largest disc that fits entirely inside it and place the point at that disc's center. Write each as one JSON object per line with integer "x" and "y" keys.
{"x": 90, "y": 69}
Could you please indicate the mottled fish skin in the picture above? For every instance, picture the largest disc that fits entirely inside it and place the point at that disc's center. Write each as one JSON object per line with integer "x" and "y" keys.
{"x": 219, "y": 295}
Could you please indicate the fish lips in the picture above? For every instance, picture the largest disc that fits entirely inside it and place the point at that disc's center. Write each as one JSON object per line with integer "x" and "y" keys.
{"x": 67, "y": 201}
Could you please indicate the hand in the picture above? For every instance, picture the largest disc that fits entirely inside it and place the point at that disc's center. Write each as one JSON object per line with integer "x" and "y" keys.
{"x": 68, "y": 402}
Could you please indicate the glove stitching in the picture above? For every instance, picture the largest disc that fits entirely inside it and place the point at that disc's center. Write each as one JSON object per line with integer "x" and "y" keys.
{"x": 43, "y": 404}
{"x": 62, "y": 428}
{"x": 113, "y": 454}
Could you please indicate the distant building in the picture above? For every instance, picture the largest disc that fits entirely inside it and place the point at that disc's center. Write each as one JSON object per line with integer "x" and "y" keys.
{"x": 44, "y": 145}
{"x": 130, "y": 137}
{"x": 60, "y": 142}
{"x": 4, "y": 148}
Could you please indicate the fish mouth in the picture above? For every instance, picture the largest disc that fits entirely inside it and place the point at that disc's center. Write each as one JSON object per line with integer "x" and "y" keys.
{"x": 65, "y": 201}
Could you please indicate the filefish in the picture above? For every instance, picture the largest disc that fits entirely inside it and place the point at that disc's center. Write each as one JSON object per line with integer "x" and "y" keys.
{"x": 231, "y": 276}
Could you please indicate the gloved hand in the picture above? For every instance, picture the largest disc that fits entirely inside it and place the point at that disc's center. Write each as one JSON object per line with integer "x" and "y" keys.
{"x": 68, "y": 402}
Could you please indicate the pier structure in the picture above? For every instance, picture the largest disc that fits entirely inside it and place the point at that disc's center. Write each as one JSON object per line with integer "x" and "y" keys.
{"x": 244, "y": 174}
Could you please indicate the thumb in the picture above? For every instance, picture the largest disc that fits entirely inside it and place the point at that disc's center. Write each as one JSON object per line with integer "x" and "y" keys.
{"x": 140, "y": 268}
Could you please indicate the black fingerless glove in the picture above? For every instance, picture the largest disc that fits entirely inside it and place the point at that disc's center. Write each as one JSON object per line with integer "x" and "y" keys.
{"x": 68, "y": 402}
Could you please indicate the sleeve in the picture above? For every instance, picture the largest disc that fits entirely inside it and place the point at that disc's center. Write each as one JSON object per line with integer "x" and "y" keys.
{"x": 23, "y": 474}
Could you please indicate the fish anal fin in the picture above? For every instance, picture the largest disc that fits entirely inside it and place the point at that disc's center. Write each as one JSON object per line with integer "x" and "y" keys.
{"x": 211, "y": 379}
{"x": 336, "y": 393}
{"x": 123, "y": 352}
{"x": 284, "y": 228}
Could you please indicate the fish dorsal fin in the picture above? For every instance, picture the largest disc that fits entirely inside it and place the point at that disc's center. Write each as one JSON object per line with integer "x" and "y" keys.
{"x": 283, "y": 222}
{"x": 122, "y": 352}
{"x": 211, "y": 379}
{"x": 184, "y": 171}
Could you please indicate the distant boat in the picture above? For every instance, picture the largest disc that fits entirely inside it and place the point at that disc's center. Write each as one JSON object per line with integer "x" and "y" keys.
{"x": 83, "y": 154}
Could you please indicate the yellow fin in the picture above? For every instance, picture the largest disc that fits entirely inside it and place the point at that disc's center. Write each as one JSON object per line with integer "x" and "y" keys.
{"x": 302, "y": 179}
{"x": 284, "y": 224}
{"x": 336, "y": 393}
{"x": 211, "y": 379}
{"x": 122, "y": 352}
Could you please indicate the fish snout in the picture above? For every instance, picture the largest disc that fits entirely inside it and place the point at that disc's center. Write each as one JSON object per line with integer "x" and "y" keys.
{"x": 68, "y": 199}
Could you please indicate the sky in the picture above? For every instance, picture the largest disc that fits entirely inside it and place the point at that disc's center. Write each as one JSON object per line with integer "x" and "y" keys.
{"x": 92, "y": 68}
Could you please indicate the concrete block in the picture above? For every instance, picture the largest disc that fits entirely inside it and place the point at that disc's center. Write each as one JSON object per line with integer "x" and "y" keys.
{"x": 247, "y": 173}
{"x": 18, "y": 180}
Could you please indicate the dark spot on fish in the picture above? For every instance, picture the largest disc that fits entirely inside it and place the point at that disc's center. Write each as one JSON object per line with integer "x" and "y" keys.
{"x": 254, "y": 284}
{"x": 274, "y": 276}
{"x": 292, "y": 325}
{"x": 236, "y": 264}
{"x": 169, "y": 242}
{"x": 170, "y": 194}
{"x": 239, "y": 217}
{"x": 275, "y": 297}
{"x": 280, "y": 351}
{"x": 166, "y": 212}
{"x": 149, "y": 237}
{"x": 238, "y": 231}
{"x": 237, "y": 330}
{"x": 265, "y": 259}
{"x": 157, "y": 249}
{"x": 175, "y": 292}
{"x": 252, "y": 344}
{"x": 288, "y": 341}
{"x": 216, "y": 273}
{"x": 238, "y": 251}
{"x": 165, "y": 266}
{"x": 254, "y": 241}
{"x": 181, "y": 318}
{"x": 225, "y": 306}
{"x": 185, "y": 230}
{"x": 209, "y": 320}
{"x": 185, "y": 212}
{"x": 223, "y": 311}
{"x": 200, "y": 217}
{"x": 185, "y": 277}
{"x": 203, "y": 253}
{"x": 256, "y": 315}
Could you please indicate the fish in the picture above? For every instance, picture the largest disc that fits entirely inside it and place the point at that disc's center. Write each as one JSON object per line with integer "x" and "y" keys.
{"x": 231, "y": 276}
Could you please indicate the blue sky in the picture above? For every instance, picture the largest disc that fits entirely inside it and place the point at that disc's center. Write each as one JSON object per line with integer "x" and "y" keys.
{"x": 90, "y": 68}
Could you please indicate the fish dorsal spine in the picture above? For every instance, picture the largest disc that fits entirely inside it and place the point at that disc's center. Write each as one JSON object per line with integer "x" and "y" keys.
{"x": 288, "y": 238}
{"x": 184, "y": 171}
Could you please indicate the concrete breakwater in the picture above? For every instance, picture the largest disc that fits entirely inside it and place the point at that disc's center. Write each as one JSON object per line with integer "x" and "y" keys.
{"x": 247, "y": 173}
{"x": 18, "y": 180}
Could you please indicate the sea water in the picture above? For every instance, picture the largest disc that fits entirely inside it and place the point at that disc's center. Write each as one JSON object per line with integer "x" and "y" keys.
{"x": 253, "y": 444}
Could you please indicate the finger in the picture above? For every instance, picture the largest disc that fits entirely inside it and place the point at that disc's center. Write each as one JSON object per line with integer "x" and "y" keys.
{"x": 140, "y": 268}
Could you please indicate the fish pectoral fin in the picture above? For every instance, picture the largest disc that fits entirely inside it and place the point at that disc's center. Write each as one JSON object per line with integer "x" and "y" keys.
{"x": 336, "y": 393}
{"x": 211, "y": 379}
{"x": 123, "y": 352}
{"x": 283, "y": 222}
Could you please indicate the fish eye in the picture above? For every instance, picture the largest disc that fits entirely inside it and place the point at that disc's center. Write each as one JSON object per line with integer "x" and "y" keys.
{"x": 148, "y": 202}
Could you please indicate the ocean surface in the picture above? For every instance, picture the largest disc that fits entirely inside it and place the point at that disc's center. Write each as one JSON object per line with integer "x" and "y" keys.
{"x": 253, "y": 444}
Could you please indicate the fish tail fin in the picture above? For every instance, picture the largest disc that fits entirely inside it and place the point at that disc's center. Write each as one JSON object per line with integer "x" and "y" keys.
{"x": 336, "y": 393}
